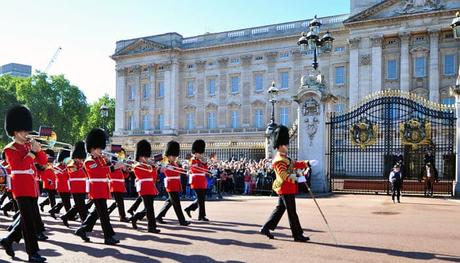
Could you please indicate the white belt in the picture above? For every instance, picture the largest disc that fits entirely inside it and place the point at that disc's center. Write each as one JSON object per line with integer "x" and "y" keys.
{"x": 30, "y": 171}
{"x": 199, "y": 174}
{"x": 142, "y": 180}
{"x": 118, "y": 180}
{"x": 77, "y": 179}
{"x": 98, "y": 180}
{"x": 172, "y": 177}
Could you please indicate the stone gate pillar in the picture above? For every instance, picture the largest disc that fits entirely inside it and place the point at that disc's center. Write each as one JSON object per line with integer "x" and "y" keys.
{"x": 456, "y": 93}
{"x": 314, "y": 104}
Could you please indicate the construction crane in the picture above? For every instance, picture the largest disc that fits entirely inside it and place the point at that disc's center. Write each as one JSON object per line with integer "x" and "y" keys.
{"x": 52, "y": 59}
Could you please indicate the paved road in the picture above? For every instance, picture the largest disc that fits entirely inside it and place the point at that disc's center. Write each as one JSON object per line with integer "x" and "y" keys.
{"x": 368, "y": 228}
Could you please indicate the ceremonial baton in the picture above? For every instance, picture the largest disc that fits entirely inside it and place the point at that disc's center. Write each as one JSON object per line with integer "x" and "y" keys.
{"x": 313, "y": 163}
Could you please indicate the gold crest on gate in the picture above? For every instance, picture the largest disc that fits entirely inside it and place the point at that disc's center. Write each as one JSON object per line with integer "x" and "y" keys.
{"x": 415, "y": 132}
{"x": 363, "y": 133}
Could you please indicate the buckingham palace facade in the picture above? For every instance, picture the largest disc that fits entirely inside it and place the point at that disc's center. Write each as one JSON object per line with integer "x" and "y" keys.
{"x": 214, "y": 86}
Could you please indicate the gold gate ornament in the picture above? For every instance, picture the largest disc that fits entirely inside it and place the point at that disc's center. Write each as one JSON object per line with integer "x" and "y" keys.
{"x": 415, "y": 132}
{"x": 363, "y": 133}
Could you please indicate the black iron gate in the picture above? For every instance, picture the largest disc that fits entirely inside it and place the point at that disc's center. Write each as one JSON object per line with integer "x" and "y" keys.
{"x": 391, "y": 127}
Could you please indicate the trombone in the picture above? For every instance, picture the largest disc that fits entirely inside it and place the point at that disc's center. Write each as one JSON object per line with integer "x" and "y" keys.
{"x": 48, "y": 138}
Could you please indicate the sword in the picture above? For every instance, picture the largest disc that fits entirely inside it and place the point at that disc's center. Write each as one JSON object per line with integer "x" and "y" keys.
{"x": 313, "y": 163}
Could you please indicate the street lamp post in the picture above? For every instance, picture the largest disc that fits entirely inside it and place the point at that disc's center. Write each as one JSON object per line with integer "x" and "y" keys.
{"x": 312, "y": 42}
{"x": 104, "y": 111}
{"x": 273, "y": 96}
{"x": 456, "y": 92}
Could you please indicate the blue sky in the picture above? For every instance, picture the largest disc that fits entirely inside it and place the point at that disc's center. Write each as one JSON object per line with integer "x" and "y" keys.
{"x": 31, "y": 31}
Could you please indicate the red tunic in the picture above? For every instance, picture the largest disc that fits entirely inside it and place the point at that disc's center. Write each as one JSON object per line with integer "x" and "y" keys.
{"x": 198, "y": 175}
{"x": 172, "y": 180}
{"x": 23, "y": 175}
{"x": 284, "y": 167}
{"x": 117, "y": 181}
{"x": 62, "y": 178}
{"x": 77, "y": 177}
{"x": 146, "y": 177}
{"x": 48, "y": 178}
{"x": 98, "y": 174}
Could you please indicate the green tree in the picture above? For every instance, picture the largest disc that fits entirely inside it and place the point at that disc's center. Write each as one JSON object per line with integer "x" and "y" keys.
{"x": 54, "y": 102}
{"x": 7, "y": 99}
{"x": 94, "y": 118}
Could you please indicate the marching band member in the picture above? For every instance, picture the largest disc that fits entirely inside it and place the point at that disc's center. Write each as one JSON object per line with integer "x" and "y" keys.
{"x": 21, "y": 154}
{"x": 146, "y": 177}
{"x": 198, "y": 168}
{"x": 172, "y": 184}
{"x": 77, "y": 183}
{"x": 118, "y": 190}
{"x": 98, "y": 172}
{"x": 11, "y": 204}
{"x": 62, "y": 182}
{"x": 285, "y": 186}
{"x": 49, "y": 178}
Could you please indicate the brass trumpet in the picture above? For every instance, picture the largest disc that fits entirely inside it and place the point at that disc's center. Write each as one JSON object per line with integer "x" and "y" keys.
{"x": 48, "y": 138}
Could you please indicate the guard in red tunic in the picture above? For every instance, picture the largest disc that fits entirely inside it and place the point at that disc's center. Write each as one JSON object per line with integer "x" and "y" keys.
{"x": 49, "y": 181}
{"x": 21, "y": 155}
{"x": 62, "y": 182}
{"x": 285, "y": 185}
{"x": 198, "y": 180}
{"x": 77, "y": 182}
{"x": 118, "y": 190}
{"x": 146, "y": 177}
{"x": 172, "y": 183}
{"x": 98, "y": 171}
{"x": 11, "y": 204}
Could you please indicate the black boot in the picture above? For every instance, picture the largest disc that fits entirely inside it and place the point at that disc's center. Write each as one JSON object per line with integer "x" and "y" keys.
{"x": 8, "y": 246}
{"x": 36, "y": 258}
{"x": 160, "y": 220}
{"x": 266, "y": 231}
{"x": 42, "y": 206}
{"x": 65, "y": 220}
{"x": 111, "y": 241}
{"x": 185, "y": 223}
{"x": 203, "y": 219}
{"x": 154, "y": 230}
{"x": 82, "y": 234}
{"x": 41, "y": 237}
{"x": 187, "y": 211}
{"x": 134, "y": 222}
{"x": 301, "y": 239}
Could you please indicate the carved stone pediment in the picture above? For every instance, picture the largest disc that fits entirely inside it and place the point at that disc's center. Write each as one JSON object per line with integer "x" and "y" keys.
{"x": 397, "y": 8}
{"x": 141, "y": 46}
{"x": 190, "y": 108}
{"x": 258, "y": 103}
{"x": 211, "y": 106}
{"x": 419, "y": 50}
{"x": 234, "y": 105}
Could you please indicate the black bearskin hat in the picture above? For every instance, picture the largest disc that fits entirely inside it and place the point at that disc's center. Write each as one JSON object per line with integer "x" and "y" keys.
{"x": 198, "y": 146}
{"x": 79, "y": 151}
{"x": 96, "y": 138}
{"x": 18, "y": 118}
{"x": 172, "y": 149}
{"x": 62, "y": 155}
{"x": 143, "y": 149}
{"x": 280, "y": 136}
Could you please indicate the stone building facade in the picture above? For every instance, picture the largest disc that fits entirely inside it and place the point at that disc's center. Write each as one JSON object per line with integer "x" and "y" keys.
{"x": 214, "y": 86}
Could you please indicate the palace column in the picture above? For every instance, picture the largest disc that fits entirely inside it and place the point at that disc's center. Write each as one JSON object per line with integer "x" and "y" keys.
{"x": 120, "y": 93}
{"x": 434, "y": 66}
{"x": 376, "y": 64}
{"x": 354, "y": 71}
{"x": 404, "y": 65}
{"x": 171, "y": 121}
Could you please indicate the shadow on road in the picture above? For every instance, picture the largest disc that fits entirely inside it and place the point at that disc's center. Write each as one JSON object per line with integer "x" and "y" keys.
{"x": 396, "y": 253}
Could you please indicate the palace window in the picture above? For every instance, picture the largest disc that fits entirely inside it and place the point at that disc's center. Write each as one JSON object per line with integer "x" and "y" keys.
{"x": 190, "y": 121}
{"x": 130, "y": 123}
{"x": 259, "y": 81}
{"x": 212, "y": 87}
{"x": 132, "y": 92}
{"x": 284, "y": 116}
{"x": 391, "y": 70}
{"x": 161, "y": 89}
{"x": 340, "y": 75}
{"x": 146, "y": 122}
{"x": 449, "y": 64}
{"x": 419, "y": 67}
{"x": 339, "y": 49}
{"x": 160, "y": 122}
{"x": 146, "y": 91}
{"x": 190, "y": 66}
{"x": 212, "y": 121}
{"x": 235, "y": 84}
{"x": 284, "y": 54}
{"x": 234, "y": 119}
{"x": 339, "y": 108}
{"x": 284, "y": 80}
{"x": 258, "y": 58}
{"x": 235, "y": 61}
{"x": 259, "y": 118}
{"x": 190, "y": 91}
{"x": 448, "y": 101}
